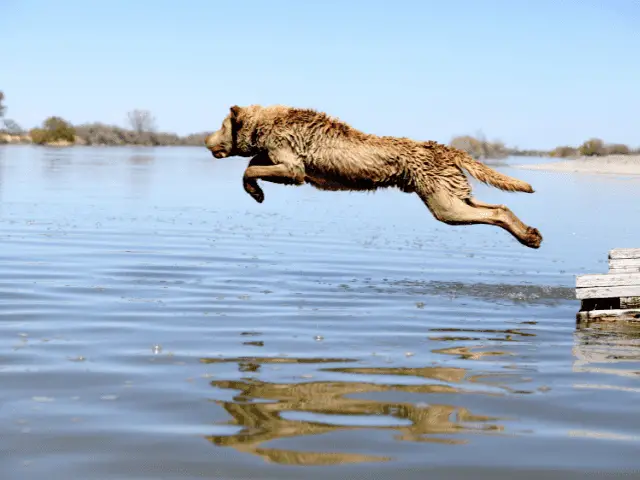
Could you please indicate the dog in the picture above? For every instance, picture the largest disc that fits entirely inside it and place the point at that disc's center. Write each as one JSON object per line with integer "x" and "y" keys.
{"x": 294, "y": 146}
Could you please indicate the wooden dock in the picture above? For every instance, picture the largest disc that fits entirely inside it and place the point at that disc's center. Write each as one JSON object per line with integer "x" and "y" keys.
{"x": 615, "y": 295}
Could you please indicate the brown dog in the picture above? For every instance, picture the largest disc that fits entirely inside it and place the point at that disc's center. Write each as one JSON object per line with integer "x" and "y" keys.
{"x": 293, "y": 146}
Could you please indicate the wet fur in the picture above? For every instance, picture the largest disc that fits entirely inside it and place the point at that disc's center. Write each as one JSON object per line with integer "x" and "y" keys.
{"x": 296, "y": 146}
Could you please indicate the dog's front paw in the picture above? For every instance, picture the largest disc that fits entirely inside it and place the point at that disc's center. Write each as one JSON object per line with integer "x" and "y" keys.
{"x": 253, "y": 189}
{"x": 258, "y": 196}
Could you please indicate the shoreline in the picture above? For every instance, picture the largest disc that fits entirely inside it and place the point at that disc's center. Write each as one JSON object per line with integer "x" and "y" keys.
{"x": 102, "y": 145}
{"x": 610, "y": 164}
{"x": 66, "y": 144}
{"x": 161, "y": 140}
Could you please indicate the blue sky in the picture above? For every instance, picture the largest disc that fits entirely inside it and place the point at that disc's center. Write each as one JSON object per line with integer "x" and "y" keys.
{"x": 530, "y": 73}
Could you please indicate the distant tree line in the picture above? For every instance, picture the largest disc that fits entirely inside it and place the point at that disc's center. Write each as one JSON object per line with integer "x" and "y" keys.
{"x": 480, "y": 148}
{"x": 593, "y": 147}
{"x": 57, "y": 131}
{"x": 101, "y": 134}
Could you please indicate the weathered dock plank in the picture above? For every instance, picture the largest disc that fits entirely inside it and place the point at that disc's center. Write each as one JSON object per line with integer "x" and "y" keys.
{"x": 625, "y": 270}
{"x": 624, "y": 263}
{"x": 608, "y": 292}
{"x": 607, "y": 280}
{"x": 609, "y": 315}
{"x": 621, "y": 253}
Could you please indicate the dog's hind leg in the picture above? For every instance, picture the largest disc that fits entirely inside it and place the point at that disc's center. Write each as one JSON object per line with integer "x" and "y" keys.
{"x": 479, "y": 203}
{"x": 452, "y": 210}
{"x": 502, "y": 208}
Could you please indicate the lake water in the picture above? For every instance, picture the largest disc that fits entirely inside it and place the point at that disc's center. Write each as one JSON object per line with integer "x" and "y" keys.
{"x": 157, "y": 323}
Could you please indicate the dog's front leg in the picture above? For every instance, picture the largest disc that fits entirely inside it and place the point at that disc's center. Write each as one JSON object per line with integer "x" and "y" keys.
{"x": 249, "y": 183}
{"x": 283, "y": 170}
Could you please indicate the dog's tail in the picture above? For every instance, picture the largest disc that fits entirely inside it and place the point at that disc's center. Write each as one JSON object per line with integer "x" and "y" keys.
{"x": 488, "y": 175}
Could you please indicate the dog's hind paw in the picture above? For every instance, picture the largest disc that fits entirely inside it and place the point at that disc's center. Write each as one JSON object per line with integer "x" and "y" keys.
{"x": 533, "y": 238}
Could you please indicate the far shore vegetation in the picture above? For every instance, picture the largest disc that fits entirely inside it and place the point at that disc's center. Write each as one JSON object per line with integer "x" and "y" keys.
{"x": 142, "y": 131}
{"x": 56, "y": 131}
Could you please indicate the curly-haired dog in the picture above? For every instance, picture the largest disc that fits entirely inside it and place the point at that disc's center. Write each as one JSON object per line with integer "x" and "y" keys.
{"x": 293, "y": 146}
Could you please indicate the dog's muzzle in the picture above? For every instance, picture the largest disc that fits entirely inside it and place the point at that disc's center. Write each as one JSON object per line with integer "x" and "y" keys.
{"x": 218, "y": 152}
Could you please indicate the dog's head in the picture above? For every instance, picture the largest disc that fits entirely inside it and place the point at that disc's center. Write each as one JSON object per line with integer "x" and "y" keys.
{"x": 229, "y": 140}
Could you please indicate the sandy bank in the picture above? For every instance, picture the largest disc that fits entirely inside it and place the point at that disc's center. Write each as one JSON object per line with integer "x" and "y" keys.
{"x": 613, "y": 164}
{"x": 9, "y": 139}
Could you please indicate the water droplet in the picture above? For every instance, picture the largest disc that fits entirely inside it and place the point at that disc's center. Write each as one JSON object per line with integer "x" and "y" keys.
{"x": 319, "y": 338}
{"x": 156, "y": 349}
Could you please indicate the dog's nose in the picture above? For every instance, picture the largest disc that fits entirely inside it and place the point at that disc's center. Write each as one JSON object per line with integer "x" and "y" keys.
{"x": 208, "y": 142}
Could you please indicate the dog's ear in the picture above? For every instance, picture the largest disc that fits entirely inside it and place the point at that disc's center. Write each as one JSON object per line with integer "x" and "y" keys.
{"x": 235, "y": 112}
{"x": 236, "y": 121}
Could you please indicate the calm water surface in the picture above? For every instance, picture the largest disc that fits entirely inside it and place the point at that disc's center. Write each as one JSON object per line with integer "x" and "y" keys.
{"x": 157, "y": 323}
